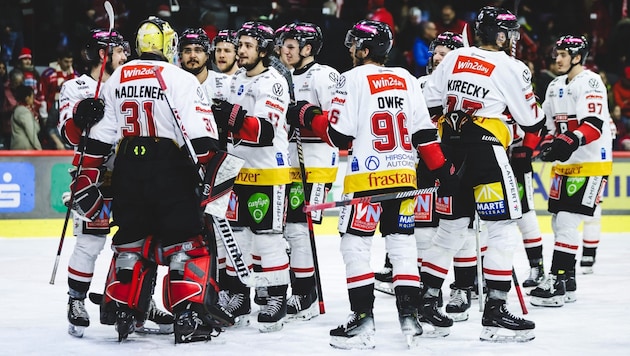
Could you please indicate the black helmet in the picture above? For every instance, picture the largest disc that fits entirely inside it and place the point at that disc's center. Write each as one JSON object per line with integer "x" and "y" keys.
{"x": 374, "y": 35}
{"x": 447, "y": 39}
{"x": 100, "y": 39}
{"x": 194, "y": 36}
{"x": 305, "y": 33}
{"x": 263, "y": 33}
{"x": 574, "y": 45}
{"x": 225, "y": 36}
{"x": 494, "y": 20}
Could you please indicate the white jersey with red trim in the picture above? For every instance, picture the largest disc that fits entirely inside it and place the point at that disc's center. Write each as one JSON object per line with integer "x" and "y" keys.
{"x": 484, "y": 84}
{"x": 316, "y": 85}
{"x": 566, "y": 106}
{"x": 265, "y": 96}
{"x": 73, "y": 91}
{"x": 380, "y": 107}
{"x": 217, "y": 85}
{"x": 135, "y": 105}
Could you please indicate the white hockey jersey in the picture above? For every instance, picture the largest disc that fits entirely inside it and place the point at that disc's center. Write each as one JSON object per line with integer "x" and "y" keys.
{"x": 217, "y": 85}
{"x": 72, "y": 92}
{"x": 380, "y": 107}
{"x": 485, "y": 84}
{"x": 316, "y": 85}
{"x": 265, "y": 96}
{"x": 566, "y": 105}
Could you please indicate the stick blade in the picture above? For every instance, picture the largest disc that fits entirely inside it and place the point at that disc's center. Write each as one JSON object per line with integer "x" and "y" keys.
{"x": 110, "y": 13}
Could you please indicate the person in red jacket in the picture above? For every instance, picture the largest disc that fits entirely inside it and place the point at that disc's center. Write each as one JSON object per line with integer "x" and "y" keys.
{"x": 621, "y": 92}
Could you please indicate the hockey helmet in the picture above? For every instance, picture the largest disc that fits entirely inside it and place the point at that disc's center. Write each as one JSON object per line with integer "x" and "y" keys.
{"x": 574, "y": 45}
{"x": 374, "y": 35}
{"x": 305, "y": 33}
{"x": 447, "y": 39}
{"x": 194, "y": 36}
{"x": 492, "y": 21}
{"x": 100, "y": 39}
{"x": 157, "y": 36}
{"x": 225, "y": 36}
{"x": 263, "y": 33}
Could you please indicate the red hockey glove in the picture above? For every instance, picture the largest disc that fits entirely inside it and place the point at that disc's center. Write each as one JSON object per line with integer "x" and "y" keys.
{"x": 88, "y": 200}
{"x": 561, "y": 148}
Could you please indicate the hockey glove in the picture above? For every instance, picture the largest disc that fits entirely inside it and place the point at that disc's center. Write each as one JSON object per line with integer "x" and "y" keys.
{"x": 449, "y": 180}
{"x": 521, "y": 159}
{"x": 302, "y": 114}
{"x": 88, "y": 200}
{"x": 88, "y": 112}
{"x": 228, "y": 116}
{"x": 560, "y": 148}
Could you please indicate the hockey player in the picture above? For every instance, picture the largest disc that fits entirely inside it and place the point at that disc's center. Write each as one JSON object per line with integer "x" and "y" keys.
{"x": 254, "y": 116}
{"x": 223, "y": 52}
{"x": 301, "y": 42}
{"x": 378, "y": 111}
{"x": 580, "y": 145}
{"x": 473, "y": 87}
{"x": 76, "y": 103}
{"x": 154, "y": 181}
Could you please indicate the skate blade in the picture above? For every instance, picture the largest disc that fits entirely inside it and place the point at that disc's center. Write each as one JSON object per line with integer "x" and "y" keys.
{"x": 162, "y": 329}
{"x": 413, "y": 341}
{"x": 240, "y": 321}
{"x": 384, "y": 287}
{"x": 431, "y": 331}
{"x": 271, "y": 327}
{"x": 492, "y": 334}
{"x": 76, "y": 331}
{"x": 553, "y": 302}
{"x": 570, "y": 297}
{"x": 359, "y": 342}
{"x": 587, "y": 270}
{"x": 463, "y": 316}
{"x": 304, "y": 315}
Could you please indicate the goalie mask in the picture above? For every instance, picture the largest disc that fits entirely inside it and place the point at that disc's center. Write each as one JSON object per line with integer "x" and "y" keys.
{"x": 158, "y": 37}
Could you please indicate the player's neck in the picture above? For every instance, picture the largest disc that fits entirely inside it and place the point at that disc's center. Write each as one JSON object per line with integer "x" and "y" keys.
{"x": 259, "y": 68}
{"x": 96, "y": 72}
{"x": 203, "y": 75}
{"x": 574, "y": 72}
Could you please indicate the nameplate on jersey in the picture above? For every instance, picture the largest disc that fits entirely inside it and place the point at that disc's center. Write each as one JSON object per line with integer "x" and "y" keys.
{"x": 466, "y": 64}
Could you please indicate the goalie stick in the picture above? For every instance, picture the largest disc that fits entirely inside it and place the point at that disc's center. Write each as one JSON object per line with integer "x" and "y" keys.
{"x": 110, "y": 14}
{"x": 213, "y": 218}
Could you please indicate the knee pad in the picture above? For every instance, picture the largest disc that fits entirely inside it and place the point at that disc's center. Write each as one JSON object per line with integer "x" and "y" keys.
{"x": 565, "y": 228}
{"x": 451, "y": 234}
{"x": 528, "y": 225}
{"x": 193, "y": 283}
{"x": 467, "y": 255}
{"x": 274, "y": 261}
{"x": 134, "y": 282}
{"x": 81, "y": 262}
{"x": 424, "y": 237}
{"x": 301, "y": 256}
{"x": 403, "y": 256}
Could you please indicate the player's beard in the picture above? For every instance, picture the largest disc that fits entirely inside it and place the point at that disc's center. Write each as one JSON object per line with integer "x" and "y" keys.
{"x": 250, "y": 66}
{"x": 194, "y": 71}
{"x": 229, "y": 67}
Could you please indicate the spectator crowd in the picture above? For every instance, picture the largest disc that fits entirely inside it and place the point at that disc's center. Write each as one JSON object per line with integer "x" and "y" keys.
{"x": 41, "y": 40}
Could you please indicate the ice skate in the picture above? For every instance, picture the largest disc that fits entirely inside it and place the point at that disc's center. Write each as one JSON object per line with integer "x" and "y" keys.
{"x": 586, "y": 264}
{"x": 356, "y": 333}
{"x": 496, "y": 319}
{"x": 302, "y": 307}
{"x": 550, "y": 292}
{"x": 272, "y": 314}
{"x": 190, "y": 326}
{"x": 536, "y": 273}
{"x": 459, "y": 304}
{"x": 77, "y": 317}
{"x": 260, "y": 295}
{"x": 163, "y": 320}
{"x": 238, "y": 305}
{"x": 125, "y": 322}
{"x": 429, "y": 313}
{"x": 570, "y": 288}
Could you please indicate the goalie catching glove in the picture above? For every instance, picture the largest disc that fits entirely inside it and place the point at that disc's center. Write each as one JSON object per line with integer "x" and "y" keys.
{"x": 88, "y": 200}
{"x": 561, "y": 148}
{"x": 88, "y": 112}
{"x": 228, "y": 116}
{"x": 302, "y": 114}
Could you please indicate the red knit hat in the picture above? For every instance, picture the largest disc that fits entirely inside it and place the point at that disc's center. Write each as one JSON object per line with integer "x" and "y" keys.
{"x": 25, "y": 53}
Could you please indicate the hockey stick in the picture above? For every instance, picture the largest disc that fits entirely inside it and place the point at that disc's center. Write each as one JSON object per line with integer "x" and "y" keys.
{"x": 513, "y": 49}
{"x": 479, "y": 262}
{"x": 519, "y": 293}
{"x": 221, "y": 224}
{"x": 110, "y": 14}
{"x": 309, "y": 221}
{"x": 370, "y": 199}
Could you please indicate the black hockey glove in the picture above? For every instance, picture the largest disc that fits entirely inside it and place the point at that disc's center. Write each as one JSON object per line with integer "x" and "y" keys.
{"x": 449, "y": 180}
{"x": 88, "y": 200}
{"x": 88, "y": 112}
{"x": 560, "y": 148}
{"x": 228, "y": 116}
{"x": 302, "y": 114}
{"x": 521, "y": 159}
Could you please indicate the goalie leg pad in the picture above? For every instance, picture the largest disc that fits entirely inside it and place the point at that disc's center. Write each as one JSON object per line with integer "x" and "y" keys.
{"x": 133, "y": 286}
